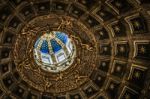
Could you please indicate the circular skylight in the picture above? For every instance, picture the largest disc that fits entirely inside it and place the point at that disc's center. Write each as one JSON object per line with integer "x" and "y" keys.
{"x": 54, "y": 51}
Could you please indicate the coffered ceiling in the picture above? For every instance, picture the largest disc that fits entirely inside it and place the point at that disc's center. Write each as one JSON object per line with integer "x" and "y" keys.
{"x": 112, "y": 39}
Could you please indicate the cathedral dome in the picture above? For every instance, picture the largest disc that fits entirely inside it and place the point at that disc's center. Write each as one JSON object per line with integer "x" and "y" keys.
{"x": 54, "y": 51}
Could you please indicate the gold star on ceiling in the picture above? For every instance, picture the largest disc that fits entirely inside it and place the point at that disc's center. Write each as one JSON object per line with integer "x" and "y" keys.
{"x": 90, "y": 90}
{"x": 99, "y": 78}
{"x": 105, "y": 48}
{"x": 118, "y": 4}
{"x": 89, "y": 21}
{"x": 20, "y": 90}
{"x": 9, "y": 81}
{"x": 118, "y": 68}
{"x": 101, "y": 33}
{"x": 102, "y": 14}
{"x": 3, "y": 17}
{"x": 26, "y": 12}
{"x": 142, "y": 49}
{"x": 76, "y": 97}
{"x": 127, "y": 96}
{"x": 76, "y": 12}
{"x": 33, "y": 97}
{"x": 122, "y": 49}
{"x": 103, "y": 64}
{"x": 112, "y": 86}
{"x": 83, "y": 1}
{"x": 117, "y": 29}
{"x": 42, "y": 7}
{"x": 137, "y": 74}
{"x": 136, "y": 24}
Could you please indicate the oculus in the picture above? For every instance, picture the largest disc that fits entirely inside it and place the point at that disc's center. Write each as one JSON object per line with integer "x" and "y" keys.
{"x": 54, "y": 51}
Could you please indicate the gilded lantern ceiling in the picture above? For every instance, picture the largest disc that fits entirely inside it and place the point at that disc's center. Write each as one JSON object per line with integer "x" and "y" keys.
{"x": 95, "y": 49}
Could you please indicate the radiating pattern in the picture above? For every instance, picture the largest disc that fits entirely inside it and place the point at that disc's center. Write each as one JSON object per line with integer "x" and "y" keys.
{"x": 53, "y": 50}
{"x": 119, "y": 30}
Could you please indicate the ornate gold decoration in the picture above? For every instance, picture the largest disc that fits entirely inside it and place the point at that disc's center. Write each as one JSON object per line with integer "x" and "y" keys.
{"x": 55, "y": 82}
